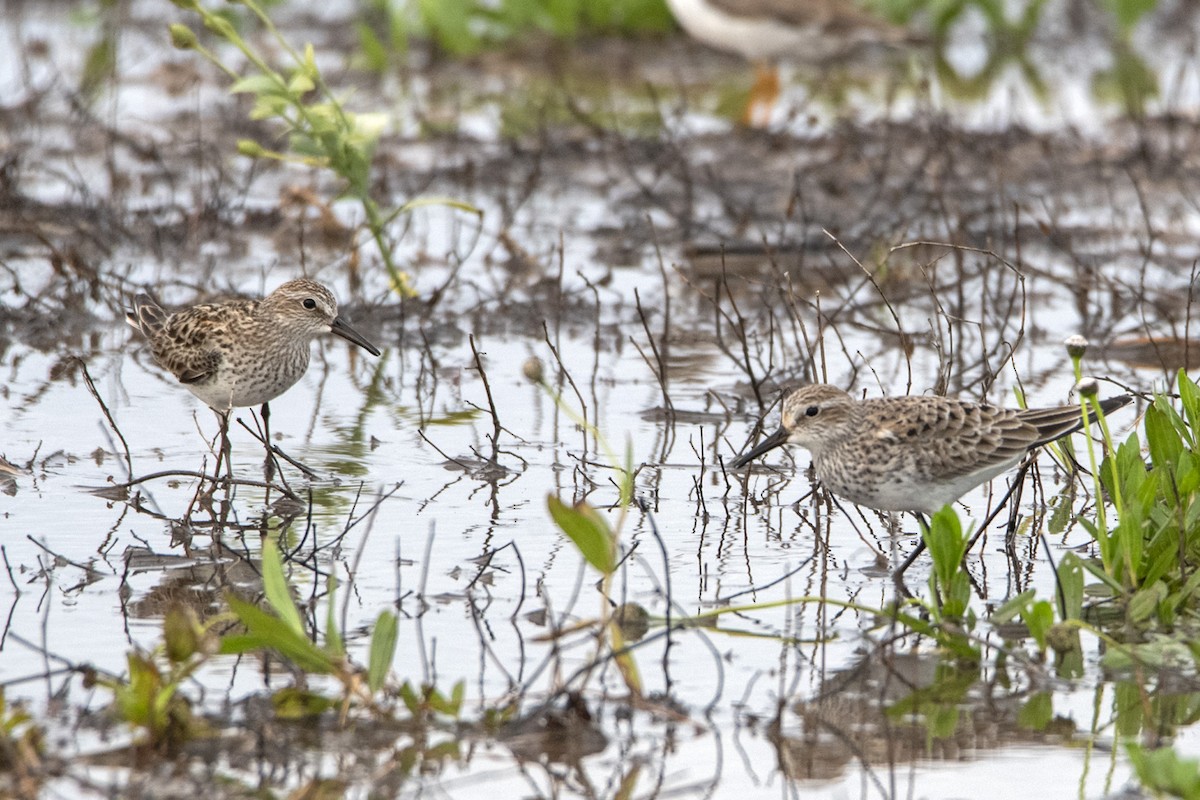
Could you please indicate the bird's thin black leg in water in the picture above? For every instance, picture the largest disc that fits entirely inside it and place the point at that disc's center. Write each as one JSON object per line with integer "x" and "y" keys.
{"x": 923, "y": 524}
{"x": 269, "y": 463}
{"x": 920, "y": 548}
{"x": 224, "y": 453}
{"x": 227, "y": 450}
{"x": 272, "y": 467}
{"x": 1016, "y": 483}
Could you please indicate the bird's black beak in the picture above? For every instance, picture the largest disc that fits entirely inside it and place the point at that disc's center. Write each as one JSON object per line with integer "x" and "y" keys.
{"x": 776, "y": 439}
{"x": 344, "y": 330}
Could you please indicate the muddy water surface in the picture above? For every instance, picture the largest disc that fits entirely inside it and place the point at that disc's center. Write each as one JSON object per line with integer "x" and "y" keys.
{"x": 888, "y": 232}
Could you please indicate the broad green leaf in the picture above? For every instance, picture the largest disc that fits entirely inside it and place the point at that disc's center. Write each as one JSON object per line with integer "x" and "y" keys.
{"x": 371, "y": 49}
{"x": 1189, "y": 396}
{"x": 457, "y": 695}
{"x": 310, "y": 59}
{"x": 258, "y": 84}
{"x": 1187, "y": 474}
{"x": 300, "y": 84}
{"x": 1128, "y": 12}
{"x": 181, "y": 633}
{"x": 941, "y": 720}
{"x": 277, "y": 590}
{"x": 99, "y": 66}
{"x": 1013, "y": 607}
{"x": 269, "y": 632}
{"x": 333, "y": 637}
{"x": 267, "y": 106}
{"x": 589, "y": 531}
{"x": 1061, "y": 514}
{"x": 1144, "y": 602}
{"x": 1161, "y": 436}
{"x": 1070, "y": 581}
{"x": 383, "y": 650}
{"x": 946, "y": 544}
{"x": 1037, "y": 712}
{"x": 409, "y": 697}
{"x": 296, "y": 703}
{"x": 447, "y": 706}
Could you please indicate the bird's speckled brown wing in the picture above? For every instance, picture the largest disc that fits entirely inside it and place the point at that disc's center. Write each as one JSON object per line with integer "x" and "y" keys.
{"x": 187, "y": 344}
{"x": 966, "y": 438}
{"x": 958, "y": 437}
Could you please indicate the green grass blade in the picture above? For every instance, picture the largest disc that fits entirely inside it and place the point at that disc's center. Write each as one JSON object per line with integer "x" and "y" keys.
{"x": 383, "y": 650}
{"x": 275, "y": 586}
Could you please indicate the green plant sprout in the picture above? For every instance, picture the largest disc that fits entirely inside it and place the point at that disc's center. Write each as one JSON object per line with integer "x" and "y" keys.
{"x": 320, "y": 131}
{"x": 284, "y": 633}
{"x": 589, "y": 531}
{"x": 148, "y": 699}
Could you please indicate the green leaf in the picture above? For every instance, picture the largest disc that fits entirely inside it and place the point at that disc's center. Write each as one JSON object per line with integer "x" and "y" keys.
{"x": 383, "y": 650}
{"x": 372, "y": 50}
{"x": 1063, "y": 509}
{"x": 941, "y": 720}
{"x": 437, "y": 701}
{"x": 258, "y": 84}
{"x": 300, "y": 84}
{"x": 1161, "y": 436}
{"x": 410, "y": 699}
{"x": 1144, "y": 602}
{"x": 98, "y": 67}
{"x": 269, "y": 632}
{"x": 1013, "y": 607}
{"x": 1189, "y": 394}
{"x": 277, "y": 590}
{"x": 1039, "y": 616}
{"x": 1070, "y": 580}
{"x": 1187, "y": 474}
{"x": 589, "y": 531}
{"x": 267, "y": 106}
{"x": 181, "y": 633}
{"x": 296, "y": 703}
{"x": 1037, "y": 712}
{"x": 1128, "y": 12}
{"x": 182, "y": 37}
{"x": 333, "y": 637}
{"x": 946, "y": 543}
{"x": 1165, "y": 771}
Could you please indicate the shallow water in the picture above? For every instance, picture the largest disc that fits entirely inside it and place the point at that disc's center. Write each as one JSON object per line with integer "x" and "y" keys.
{"x": 1064, "y": 229}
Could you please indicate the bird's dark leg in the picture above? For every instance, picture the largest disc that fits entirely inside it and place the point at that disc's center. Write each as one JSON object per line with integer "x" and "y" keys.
{"x": 271, "y": 466}
{"x": 226, "y": 451}
{"x": 224, "y": 456}
{"x": 269, "y": 463}
{"x": 923, "y": 523}
{"x": 1016, "y": 484}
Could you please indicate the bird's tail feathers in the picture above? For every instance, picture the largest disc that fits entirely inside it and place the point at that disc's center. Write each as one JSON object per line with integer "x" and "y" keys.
{"x": 1054, "y": 423}
{"x": 147, "y": 316}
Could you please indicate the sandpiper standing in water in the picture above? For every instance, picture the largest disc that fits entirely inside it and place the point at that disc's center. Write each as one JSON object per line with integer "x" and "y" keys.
{"x": 912, "y": 454}
{"x": 242, "y": 352}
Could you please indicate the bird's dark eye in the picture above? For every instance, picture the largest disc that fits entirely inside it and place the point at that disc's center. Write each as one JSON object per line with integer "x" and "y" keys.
{"x": 812, "y": 411}
{"x": 309, "y": 303}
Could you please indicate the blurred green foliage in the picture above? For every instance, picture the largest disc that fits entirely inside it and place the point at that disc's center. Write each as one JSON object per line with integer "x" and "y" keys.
{"x": 466, "y": 27}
